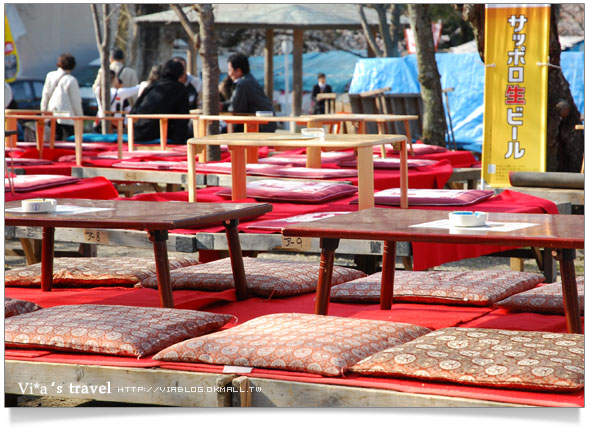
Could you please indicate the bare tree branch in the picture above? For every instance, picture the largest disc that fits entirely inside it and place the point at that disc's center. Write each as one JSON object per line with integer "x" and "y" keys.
{"x": 367, "y": 32}
{"x": 194, "y": 37}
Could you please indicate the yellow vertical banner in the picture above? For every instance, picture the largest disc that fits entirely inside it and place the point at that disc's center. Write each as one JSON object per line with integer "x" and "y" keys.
{"x": 10, "y": 54}
{"x": 515, "y": 90}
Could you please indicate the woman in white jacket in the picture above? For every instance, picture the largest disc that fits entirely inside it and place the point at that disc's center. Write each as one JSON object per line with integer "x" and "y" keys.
{"x": 61, "y": 93}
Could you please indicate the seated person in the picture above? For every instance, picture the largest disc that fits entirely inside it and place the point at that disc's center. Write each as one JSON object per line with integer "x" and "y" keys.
{"x": 166, "y": 95}
{"x": 248, "y": 96}
{"x": 119, "y": 96}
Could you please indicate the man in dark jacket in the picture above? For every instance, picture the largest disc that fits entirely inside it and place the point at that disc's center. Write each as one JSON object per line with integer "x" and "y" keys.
{"x": 320, "y": 87}
{"x": 166, "y": 95}
{"x": 248, "y": 96}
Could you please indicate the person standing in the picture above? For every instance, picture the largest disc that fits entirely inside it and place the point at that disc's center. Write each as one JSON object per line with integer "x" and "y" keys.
{"x": 248, "y": 96}
{"x": 61, "y": 93}
{"x": 166, "y": 95}
{"x": 125, "y": 74}
{"x": 320, "y": 87}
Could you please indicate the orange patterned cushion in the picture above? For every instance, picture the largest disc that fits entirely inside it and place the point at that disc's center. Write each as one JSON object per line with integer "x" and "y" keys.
{"x": 543, "y": 299}
{"x": 14, "y": 307}
{"x": 481, "y": 288}
{"x": 93, "y": 271}
{"x": 109, "y": 329}
{"x": 264, "y": 277}
{"x": 486, "y": 357}
{"x": 325, "y": 345}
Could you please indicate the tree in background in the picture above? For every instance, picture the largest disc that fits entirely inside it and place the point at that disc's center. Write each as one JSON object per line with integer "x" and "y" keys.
{"x": 434, "y": 124}
{"x": 204, "y": 40}
{"x": 390, "y": 34}
{"x": 102, "y": 32}
{"x": 564, "y": 144}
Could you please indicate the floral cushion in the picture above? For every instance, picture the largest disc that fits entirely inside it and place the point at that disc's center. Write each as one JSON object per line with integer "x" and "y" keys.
{"x": 271, "y": 170}
{"x": 264, "y": 277}
{"x": 543, "y": 299}
{"x": 25, "y": 161}
{"x": 389, "y": 163}
{"x": 14, "y": 307}
{"x": 486, "y": 357}
{"x": 418, "y": 149}
{"x": 24, "y": 183}
{"x": 109, "y": 329}
{"x": 294, "y": 191}
{"x": 432, "y": 197}
{"x": 325, "y": 345}
{"x": 300, "y": 159}
{"x": 93, "y": 271}
{"x": 482, "y": 288}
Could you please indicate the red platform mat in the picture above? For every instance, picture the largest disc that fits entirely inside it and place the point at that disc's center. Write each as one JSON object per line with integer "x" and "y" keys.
{"x": 98, "y": 188}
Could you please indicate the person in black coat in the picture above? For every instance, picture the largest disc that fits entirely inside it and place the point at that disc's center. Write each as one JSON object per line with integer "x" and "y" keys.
{"x": 166, "y": 95}
{"x": 248, "y": 96}
{"x": 320, "y": 87}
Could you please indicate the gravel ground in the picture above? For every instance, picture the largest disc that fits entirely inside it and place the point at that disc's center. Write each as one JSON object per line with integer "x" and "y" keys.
{"x": 12, "y": 261}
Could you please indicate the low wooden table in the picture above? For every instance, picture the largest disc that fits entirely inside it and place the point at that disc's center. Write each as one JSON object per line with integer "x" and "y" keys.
{"x": 563, "y": 233}
{"x": 154, "y": 217}
{"x": 239, "y": 142}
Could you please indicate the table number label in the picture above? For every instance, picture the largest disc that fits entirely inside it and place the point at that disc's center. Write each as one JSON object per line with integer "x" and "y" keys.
{"x": 92, "y": 235}
{"x": 296, "y": 243}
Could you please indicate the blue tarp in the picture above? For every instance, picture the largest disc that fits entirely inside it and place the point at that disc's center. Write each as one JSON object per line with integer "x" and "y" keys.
{"x": 465, "y": 73}
{"x": 337, "y": 65}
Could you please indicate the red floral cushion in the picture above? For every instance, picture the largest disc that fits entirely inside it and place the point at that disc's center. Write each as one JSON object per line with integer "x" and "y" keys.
{"x": 486, "y": 357}
{"x": 300, "y": 159}
{"x": 264, "y": 277}
{"x": 543, "y": 299}
{"x": 261, "y": 169}
{"x": 294, "y": 191}
{"x": 325, "y": 345}
{"x": 93, "y": 271}
{"x": 24, "y": 183}
{"x": 14, "y": 307}
{"x": 109, "y": 329}
{"x": 418, "y": 149}
{"x": 389, "y": 163}
{"x": 482, "y": 288}
{"x": 432, "y": 197}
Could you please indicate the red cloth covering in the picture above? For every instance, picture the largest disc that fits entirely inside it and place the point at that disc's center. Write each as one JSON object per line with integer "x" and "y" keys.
{"x": 98, "y": 188}
{"x": 54, "y": 169}
{"x": 501, "y": 318}
{"x": 137, "y": 297}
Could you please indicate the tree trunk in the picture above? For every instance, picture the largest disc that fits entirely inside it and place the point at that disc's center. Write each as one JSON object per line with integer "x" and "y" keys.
{"x": 210, "y": 71}
{"x": 434, "y": 124}
{"x": 103, "y": 39}
{"x": 565, "y": 144}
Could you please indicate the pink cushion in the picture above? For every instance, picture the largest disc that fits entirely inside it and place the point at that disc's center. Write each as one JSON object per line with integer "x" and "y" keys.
{"x": 153, "y": 164}
{"x": 389, "y": 163}
{"x": 93, "y": 271}
{"x": 264, "y": 277}
{"x": 109, "y": 329}
{"x": 14, "y": 307}
{"x": 290, "y": 191}
{"x": 261, "y": 169}
{"x": 325, "y": 345}
{"x": 278, "y": 224}
{"x": 300, "y": 159}
{"x": 419, "y": 149}
{"x": 139, "y": 154}
{"x": 24, "y": 183}
{"x": 546, "y": 298}
{"x": 432, "y": 197}
{"x": 482, "y": 288}
{"x": 24, "y": 161}
{"x": 486, "y": 357}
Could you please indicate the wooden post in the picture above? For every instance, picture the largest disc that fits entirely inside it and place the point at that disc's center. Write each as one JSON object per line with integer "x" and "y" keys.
{"x": 130, "y": 134}
{"x": 120, "y": 139}
{"x": 268, "y": 54}
{"x": 191, "y": 181}
{"x": 163, "y": 133}
{"x": 78, "y": 134}
{"x": 297, "y": 72}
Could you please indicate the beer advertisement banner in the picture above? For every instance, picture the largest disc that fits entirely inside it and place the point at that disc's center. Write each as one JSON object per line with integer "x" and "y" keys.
{"x": 516, "y": 90}
{"x": 10, "y": 54}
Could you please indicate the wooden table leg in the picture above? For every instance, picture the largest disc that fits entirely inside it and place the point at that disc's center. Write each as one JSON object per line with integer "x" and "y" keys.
{"x": 40, "y": 130}
{"x": 120, "y": 139}
{"x": 10, "y": 125}
{"x": 388, "y": 268}
{"x": 236, "y": 260}
{"x": 328, "y": 246}
{"x": 47, "y": 259}
{"x": 238, "y": 159}
{"x": 78, "y": 135}
{"x": 566, "y": 258}
{"x": 52, "y": 125}
{"x": 365, "y": 176}
{"x": 409, "y": 136}
{"x": 158, "y": 239}
{"x": 130, "y": 138}
{"x": 192, "y": 183}
{"x": 163, "y": 134}
{"x": 403, "y": 176}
